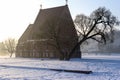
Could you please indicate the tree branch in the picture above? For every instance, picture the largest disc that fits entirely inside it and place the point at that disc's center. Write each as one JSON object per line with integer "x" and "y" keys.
{"x": 96, "y": 40}
{"x": 99, "y": 33}
{"x": 80, "y": 32}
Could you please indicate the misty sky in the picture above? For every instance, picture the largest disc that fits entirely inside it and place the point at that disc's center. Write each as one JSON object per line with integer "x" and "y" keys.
{"x": 16, "y": 15}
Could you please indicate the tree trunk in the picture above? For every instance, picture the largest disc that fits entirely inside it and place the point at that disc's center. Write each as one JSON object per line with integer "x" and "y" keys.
{"x": 77, "y": 46}
{"x": 80, "y": 53}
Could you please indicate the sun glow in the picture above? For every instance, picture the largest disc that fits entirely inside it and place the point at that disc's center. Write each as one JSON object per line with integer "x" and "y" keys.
{"x": 15, "y": 16}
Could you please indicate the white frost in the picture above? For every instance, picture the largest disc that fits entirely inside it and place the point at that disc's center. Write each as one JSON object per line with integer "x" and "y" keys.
{"x": 104, "y": 68}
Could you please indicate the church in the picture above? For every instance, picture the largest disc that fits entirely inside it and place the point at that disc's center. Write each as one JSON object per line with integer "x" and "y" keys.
{"x": 51, "y": 35}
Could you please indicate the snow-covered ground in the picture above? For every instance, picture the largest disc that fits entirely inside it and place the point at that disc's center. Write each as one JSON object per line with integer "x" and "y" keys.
{"x": 103, "y": 67}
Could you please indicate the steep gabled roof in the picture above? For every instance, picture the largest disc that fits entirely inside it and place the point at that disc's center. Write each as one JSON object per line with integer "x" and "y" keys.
{"x": 27, "y": 34}
{"x": 57, "y": 16}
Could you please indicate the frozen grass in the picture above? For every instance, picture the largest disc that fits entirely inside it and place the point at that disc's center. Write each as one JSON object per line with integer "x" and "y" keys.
{"x": 103, "y": 67}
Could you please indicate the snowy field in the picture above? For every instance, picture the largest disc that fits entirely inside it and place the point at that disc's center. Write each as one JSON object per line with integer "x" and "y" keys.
{"x": 103, "y": 67}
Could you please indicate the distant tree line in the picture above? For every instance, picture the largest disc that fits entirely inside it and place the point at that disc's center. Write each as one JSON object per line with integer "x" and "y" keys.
{"x": 99, "y": 48}
{"x": 114, "y": 46}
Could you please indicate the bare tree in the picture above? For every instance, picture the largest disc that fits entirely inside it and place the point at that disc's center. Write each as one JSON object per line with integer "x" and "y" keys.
{"x": 96, "y": 27}
{"x": 10, "y": 45}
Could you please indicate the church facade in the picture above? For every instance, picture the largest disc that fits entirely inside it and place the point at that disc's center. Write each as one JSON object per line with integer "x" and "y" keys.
{"x": 53, "y": 34}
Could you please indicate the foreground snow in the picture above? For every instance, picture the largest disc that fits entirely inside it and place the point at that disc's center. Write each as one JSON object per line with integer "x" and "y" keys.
{"x": 30, "y": 69}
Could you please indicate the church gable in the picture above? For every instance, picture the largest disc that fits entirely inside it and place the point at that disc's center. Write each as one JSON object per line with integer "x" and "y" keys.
{"x": 52, "y": 26}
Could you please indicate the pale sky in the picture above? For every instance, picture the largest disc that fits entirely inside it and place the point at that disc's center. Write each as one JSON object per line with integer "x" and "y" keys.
{"x": 16, "y": 15}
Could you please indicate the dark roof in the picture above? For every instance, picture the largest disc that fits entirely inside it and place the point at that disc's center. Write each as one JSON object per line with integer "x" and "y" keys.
{"x": 60, "y": 17}
{"x": 26, "y": 35}
{"x": 57, "y": 16}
